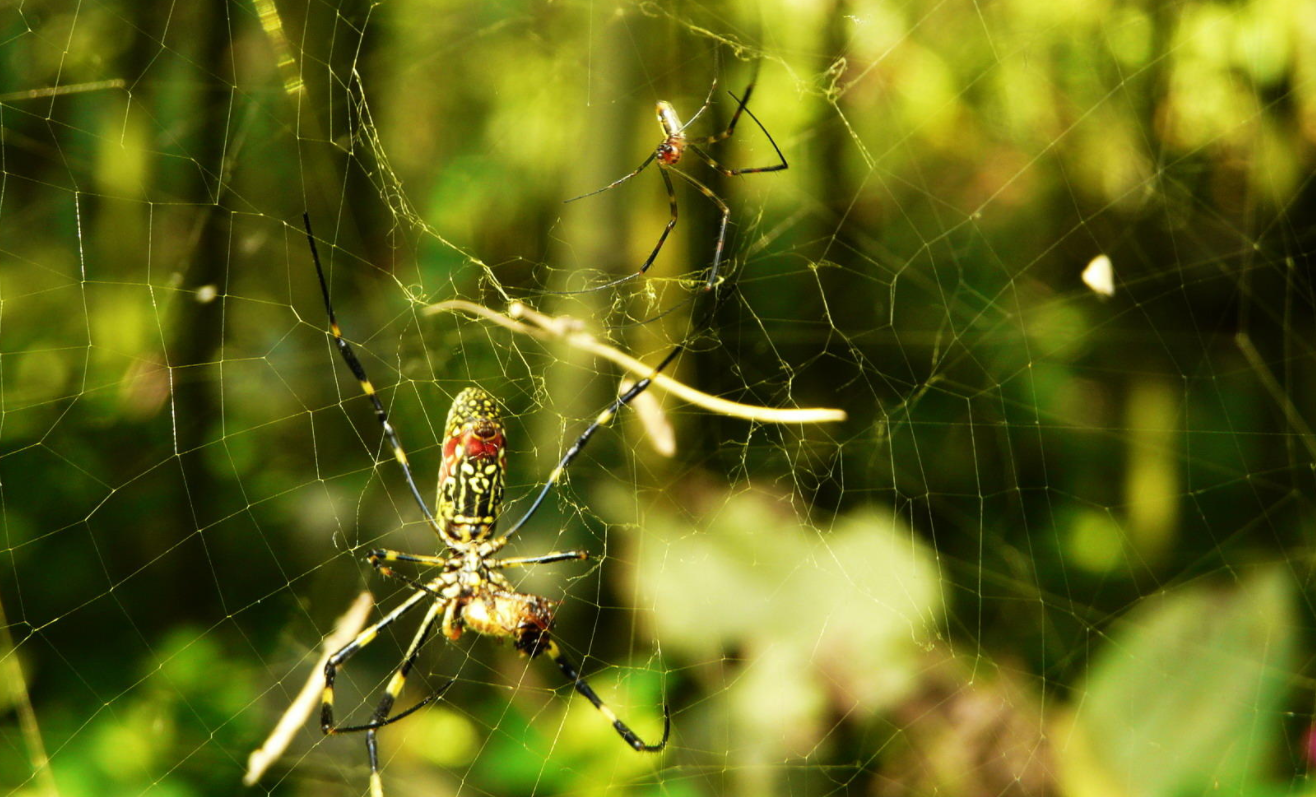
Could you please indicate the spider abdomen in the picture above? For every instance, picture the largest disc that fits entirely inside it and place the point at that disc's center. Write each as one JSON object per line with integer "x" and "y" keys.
{"x": 670, "y": 151}
{"x": 472, "y": 474}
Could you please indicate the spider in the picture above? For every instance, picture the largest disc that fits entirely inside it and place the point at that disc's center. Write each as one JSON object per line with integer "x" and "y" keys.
{"x": 669, "y": 152}
{"x": 470, "y": 592}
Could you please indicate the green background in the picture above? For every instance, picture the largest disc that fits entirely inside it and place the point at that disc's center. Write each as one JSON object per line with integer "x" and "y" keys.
{"x": 1061, "y": 545}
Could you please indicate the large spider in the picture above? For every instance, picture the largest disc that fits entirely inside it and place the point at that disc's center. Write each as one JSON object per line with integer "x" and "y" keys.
{"x": 469, "y": 593}
{"x": 669, "y": 152}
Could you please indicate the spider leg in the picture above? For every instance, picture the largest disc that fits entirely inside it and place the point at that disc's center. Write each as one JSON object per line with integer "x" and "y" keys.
{"x": 735, "y": 117}
{"x": 671, "y": 199}
{"x": 366, "y": 387}
{"x": 708, "y": 101}
{"x": 713, "y": 139}
{"x": 395, "y": 684}
{"x": 379, "y": 555}
{"x": 409, "y": 581}
{"x": 583, "y": 687}
{"x": 722, "y": 229}
{"x": 521, "y": 561}
{"x": 616, "y": 183}
{"x": 381, "y": 718}
{"x": 451, "y": 625}
{"x": 603, "y": 419}
{"x": 349, "y": 650}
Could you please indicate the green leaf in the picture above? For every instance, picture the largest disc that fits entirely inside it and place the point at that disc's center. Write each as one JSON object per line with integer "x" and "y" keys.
{"x": 1186, "y": 696}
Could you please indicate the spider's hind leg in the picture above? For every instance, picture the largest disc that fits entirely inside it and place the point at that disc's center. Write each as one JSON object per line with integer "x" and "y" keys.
{"x": 381, "y": 716}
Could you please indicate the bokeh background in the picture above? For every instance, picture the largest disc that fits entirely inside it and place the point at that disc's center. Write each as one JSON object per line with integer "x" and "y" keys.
{"x": 1061, "y": 546}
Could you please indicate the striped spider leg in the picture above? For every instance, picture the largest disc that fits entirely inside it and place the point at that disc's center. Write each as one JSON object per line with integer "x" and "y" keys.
{"x": 669, "y": 152}
{"x": 470, "y": 593}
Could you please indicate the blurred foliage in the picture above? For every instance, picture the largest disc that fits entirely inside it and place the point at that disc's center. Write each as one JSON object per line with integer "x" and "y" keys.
{"x": 824, "y": 622}
{"x": 1061, "y": 546}
{"x": 1183, "y": 700}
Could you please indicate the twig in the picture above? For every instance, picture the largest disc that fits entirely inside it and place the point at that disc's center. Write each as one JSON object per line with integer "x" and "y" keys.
{"x": 654, "y": 420}
{"x": 345, "y": 630}
{"x": 571, "y": 332}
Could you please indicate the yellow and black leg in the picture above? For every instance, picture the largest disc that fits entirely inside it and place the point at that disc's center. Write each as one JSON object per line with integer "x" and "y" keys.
{"x": 339, "y": 658}
{"x": 604, "y": 418}
{"x": 381, "y": 555}
{"x": 552, "y": 650}
{"x": 367, "y": 387}
{"x": 542, "y": 559}
{"x": 381, "y": 716}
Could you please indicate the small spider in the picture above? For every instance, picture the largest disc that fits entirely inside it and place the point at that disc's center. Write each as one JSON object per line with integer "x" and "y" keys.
{"x": 470, "y": 592}
{"x": 669, "y": 152}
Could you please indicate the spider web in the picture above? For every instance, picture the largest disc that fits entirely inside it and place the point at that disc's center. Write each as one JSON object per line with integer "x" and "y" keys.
{"x": 1052, "y": 259}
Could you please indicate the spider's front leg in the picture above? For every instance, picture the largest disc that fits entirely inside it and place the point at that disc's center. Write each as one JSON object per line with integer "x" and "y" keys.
{"x": 543, "y": 559}
{"x": 380, "y": 555}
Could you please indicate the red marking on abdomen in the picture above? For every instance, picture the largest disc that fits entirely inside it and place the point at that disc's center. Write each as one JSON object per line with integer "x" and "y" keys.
{"x": 449, "y": 457}
{"x": 450, "y": 446}
{"x": 478, "y": 448}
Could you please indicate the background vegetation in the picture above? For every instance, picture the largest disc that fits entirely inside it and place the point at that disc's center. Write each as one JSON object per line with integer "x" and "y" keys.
{"x": 1062, "y": 544}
